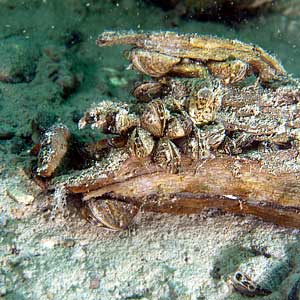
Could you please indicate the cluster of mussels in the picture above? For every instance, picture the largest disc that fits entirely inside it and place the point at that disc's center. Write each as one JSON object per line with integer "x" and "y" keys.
{"x": 166, "y": 127}
{"x": 190, "y": 109}
{"x": 183, "y": 112}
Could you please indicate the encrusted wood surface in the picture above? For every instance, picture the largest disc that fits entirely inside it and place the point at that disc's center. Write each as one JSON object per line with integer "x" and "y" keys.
{"x": 237, "y": 185}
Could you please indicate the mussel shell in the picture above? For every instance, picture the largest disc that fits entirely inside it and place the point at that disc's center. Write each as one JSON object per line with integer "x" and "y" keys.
{"x": 154, "y": 118}
{"x": 231, "y": 71}
{"x": 188, "y": 68}
{"x": 151, "y": 63}
{"x": 112, "y": 214}
{"x": 203, "y": 107}
{"x": 102, "y": 115}
{"x": 147, "y": 91}
{"x": 196, "y": 146}
{"x": 214, "y": 134}
{"x": 246, "y": 286}
{"x": 178, "y": 126}
{"x": 123, "y": 123}
{"x": 53, "y": 148}
{"x": 167, "y": 156}
{"x": 140, "y": 142}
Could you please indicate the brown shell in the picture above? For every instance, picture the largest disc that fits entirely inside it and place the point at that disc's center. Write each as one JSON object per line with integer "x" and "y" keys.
{"x": 154, "y": 118}
{"x": 203, "y": 107}
{"x": 196, "y": 146}
{"x": 54, "y": 146}
{"x": 140, "y": 142}
{"x": 152, "y": 63}
{"x": 167, "y": 156}
{"x": 178, "y": 126}
{"x": 147, "y": 91}
{"x": 188, "y": 68}
{"x": 123, "y": 122}
{"x": 229, "y": 72}
{"x": 112, "y": 214}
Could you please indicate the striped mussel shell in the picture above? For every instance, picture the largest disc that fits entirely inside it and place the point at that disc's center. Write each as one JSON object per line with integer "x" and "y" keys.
{"x": 111, "y": 214}
{"x": 154, "y": 118}
{"x": 167, "y": 156}
{"x": 196, "y": 145}
{"x": 140, "y": 142}
{"x": 203, "y": 107}
{"x": 178, "y": 126}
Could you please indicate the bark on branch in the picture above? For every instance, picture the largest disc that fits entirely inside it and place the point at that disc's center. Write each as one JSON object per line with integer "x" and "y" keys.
{"x": 237, "y": 185}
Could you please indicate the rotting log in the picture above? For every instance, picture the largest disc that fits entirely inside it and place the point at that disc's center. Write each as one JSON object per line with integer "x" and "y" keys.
{"x": 233, "y": 184}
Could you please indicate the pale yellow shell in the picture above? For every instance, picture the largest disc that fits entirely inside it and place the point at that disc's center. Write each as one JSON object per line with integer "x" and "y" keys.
{"x": 152, "y": 63}
{"x": 189, "y": 68}
{"x": 123, "y": 122}
{"x": 230, "y": 71}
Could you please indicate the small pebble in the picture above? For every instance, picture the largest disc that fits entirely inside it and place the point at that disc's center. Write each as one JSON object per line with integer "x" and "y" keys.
{"x": 78, "y": 254}
{"x": 19, "y": 195}
{"x": 3, "y": 291}
{"x": 95, "y": 282}
{"x": 49, "y": 243}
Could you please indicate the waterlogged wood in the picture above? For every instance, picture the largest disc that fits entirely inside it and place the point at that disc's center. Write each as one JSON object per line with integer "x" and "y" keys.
{"x": 254, "y": 122}
{"x": 232, "y": 184}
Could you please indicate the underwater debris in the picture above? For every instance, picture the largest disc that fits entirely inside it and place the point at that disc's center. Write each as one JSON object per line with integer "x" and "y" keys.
{"x": 193, "y": 143}
{"x": 246, "y": 286}
{"x": 160, "y": 54}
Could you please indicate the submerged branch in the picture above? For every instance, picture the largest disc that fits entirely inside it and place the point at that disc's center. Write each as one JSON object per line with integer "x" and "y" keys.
{"x": 238, "y": 185}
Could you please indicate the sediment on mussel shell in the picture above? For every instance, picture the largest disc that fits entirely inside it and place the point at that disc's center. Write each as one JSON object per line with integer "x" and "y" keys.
{"x": 190, "y": 143}
{"x": 154, "y": 118}
{"x": 110, "y": 117}
{"x": 111, "y": 214}
{"x": 54, "y": 146}
{"x": 157, "y": 53}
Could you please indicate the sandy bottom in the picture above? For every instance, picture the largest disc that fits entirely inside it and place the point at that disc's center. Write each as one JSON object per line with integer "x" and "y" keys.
{"x": 58, "y": 73}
